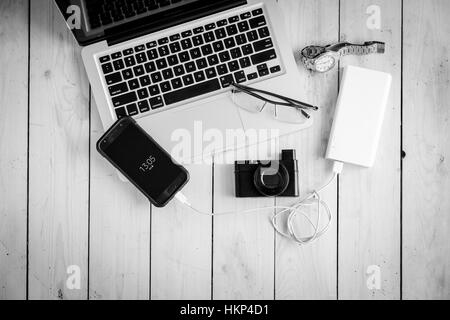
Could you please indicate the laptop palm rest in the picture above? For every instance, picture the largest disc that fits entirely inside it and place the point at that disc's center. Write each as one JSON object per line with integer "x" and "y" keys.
{"x": 189, "y": 134}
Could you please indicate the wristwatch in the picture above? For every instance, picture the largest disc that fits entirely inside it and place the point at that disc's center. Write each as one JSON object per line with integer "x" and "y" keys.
{"x": 323, "y": 59}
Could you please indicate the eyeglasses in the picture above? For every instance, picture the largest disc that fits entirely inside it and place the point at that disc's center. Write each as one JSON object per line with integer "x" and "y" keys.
{"x": 283, "y": 109}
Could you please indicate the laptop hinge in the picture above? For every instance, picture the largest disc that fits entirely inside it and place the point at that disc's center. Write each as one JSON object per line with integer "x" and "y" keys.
{"x": 168, "y": 19}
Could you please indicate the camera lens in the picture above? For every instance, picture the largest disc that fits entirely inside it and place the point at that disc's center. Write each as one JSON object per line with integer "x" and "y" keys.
{"x": 271, "y": 181}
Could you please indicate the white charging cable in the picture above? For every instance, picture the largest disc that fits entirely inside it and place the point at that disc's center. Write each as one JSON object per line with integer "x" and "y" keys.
{"x": 291, "y": 211}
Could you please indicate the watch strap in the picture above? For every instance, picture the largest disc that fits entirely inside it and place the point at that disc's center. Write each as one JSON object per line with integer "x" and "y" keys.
{"x": 361, "y": 50}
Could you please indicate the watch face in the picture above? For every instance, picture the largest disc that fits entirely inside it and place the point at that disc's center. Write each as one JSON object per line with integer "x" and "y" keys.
{"x": 325, "y": 63}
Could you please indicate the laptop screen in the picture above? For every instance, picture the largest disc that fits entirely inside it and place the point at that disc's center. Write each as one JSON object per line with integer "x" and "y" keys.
{"x": 96, "y": 20}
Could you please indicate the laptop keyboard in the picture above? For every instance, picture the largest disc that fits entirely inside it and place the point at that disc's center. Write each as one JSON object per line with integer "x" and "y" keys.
{"x": 195, "y": 62}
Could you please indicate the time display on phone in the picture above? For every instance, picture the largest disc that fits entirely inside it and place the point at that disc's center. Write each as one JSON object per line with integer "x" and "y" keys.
{"x": 148, "y": 165}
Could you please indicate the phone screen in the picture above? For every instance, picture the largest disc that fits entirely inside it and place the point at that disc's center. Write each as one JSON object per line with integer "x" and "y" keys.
{"x": 143, "y": 161}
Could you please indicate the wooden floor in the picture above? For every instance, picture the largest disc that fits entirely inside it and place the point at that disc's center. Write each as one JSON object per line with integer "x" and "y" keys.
{"x": 61, "y": 205}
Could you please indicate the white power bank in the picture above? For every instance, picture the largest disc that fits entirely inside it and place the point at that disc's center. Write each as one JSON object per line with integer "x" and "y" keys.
{"x": 359, "y": 116}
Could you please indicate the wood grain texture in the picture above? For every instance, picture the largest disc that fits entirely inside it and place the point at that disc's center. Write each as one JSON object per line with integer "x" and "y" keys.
{"x": 426, "y": 182}
{"x": 243, "y": 244}
{"x": 309, "y": 272}
{"x": 59, "y": 157}
{"x": 369, "y": 199}
{"x": 119, "y": 257}
{"x": 13, "y": 147}
{"x": 181, "y": 242}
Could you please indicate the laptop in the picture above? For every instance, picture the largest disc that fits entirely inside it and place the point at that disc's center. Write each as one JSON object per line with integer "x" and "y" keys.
{"x": 169, "y": 64}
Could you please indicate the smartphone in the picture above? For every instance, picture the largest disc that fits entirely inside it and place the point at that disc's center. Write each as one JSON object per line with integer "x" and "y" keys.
{"x": 142, "y": 161}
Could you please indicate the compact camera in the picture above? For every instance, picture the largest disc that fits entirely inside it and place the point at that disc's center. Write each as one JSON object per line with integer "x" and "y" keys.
{"x": 256, "y": 179}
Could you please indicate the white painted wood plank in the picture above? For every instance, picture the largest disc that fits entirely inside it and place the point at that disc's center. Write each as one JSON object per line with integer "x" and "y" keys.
{"x": 426, "y": 183}
{"x": 59, "y": 157}
{"x": 309, "y": 272}
{"x": 13, "y": 147}
{"x": 181, "y": 242}
{"x": 119, "y": 257}
{"x": 243, "y": 258}
{"x": 369, "y": 199}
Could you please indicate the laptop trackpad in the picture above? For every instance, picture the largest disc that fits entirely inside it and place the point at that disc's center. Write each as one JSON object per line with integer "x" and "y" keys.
{"x": 188, "y": 132}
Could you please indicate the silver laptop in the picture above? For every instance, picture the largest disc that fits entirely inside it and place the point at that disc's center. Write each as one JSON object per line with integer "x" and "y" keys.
{"x": 169, "y": 64}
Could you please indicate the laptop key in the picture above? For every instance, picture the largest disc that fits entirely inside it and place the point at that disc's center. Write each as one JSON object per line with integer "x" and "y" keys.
{"x": 184, "y": 57}
{"x": 118, "y": 64}
{"x": 139, "y": 48}
{"x": 243, "y": 26}
{"x": 209, "y": 37}
{"x": 186, "y": 44}
{"x": 127, "y": 52}
{"x": 257, "y": 22}
{"x": 245, "y": 15}
{"x": 263, "y": 56}
{"x": 161, "y": 63}
{"x": 154, "y": 90}
{"x": 151, "y": 44}
{"x": 138, "y": 71}
{"x": 186, "y": 34}
{"x": 252, "y": 76}
{"x": 210, "y": 26}
{"x": 124, "y": 99}
{"x": 218, "y": 46}
{"x": 199, "y": 76}
{"x": 232, "y": 30}
{"x": 116, "y": 55}
{"x": 127, "y": 74}
{"x": 222, "y": 69}
{"x": 263, "y": 32}
{"x": 152, "y": 54}
{"x": 213, "y": 60}
{"x": 195, "y": 53}
{"x": 150, "y": 67}
{"x": 177, "y": 83}
{"x": 198, "y": 30}
{"x": 222, "y": 23}
{"x": 130, "y": 61}
{"x": 143, "y": 106}
{"x": 226, "y": 80}
{"x": 220, "y": 33}
{"x": 163, "y": 41}
{"x": 145, "y": 81}
{"x": 178, "y": 70}
{"x": 245, "y": 62}
{"x": 247, "y": 49}
{"x": 211, "y": 73}
{"x": 233, "y": 66}
{"x": 224, "y": 56}
{"x": 175, "y": 37}
{"x": 229, "y": 43}
{"x": 190, "y": 67}
{"x": 167, "y": 74}
{"x": 113, "y": 78}
{"x": 121, "y": 113}
{"x": 252, "y": 35}
{"x": 188, "y": 80}
{"x": 233, "y": 19}
{"x": 236, "y": 53}
{"x": 132, "y": 109}
{"x": 192, "y": 91}
{"x": 133, "y": 84}
{"x": 257, "y": 12}
{"x": 105, "y": 59}
{"x": 241, "y": 39}
{"x": 107, "y": 68}
{"x": 197, "y": 40}
{"x": 240, "y": 77}
{"x": 118, "y": 89}
{"x": 165, "y": 86}
{"x": 163, "y": 51}
{"x": 156, "y": 77}
{"x": 263, "y": 44}
{"x": 207, "y": 49}
{"x": 175, "y": 47}
{"x": 142, "y": 93}
{"x": 156, "y": 102}
{"x": 141, "y": 57}
{"x": 173, "y": 60}
{"x": 202, "y": 63}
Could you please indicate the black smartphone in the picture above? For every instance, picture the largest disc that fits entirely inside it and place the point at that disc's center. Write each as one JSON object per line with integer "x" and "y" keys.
{"x": 142, "y": 161}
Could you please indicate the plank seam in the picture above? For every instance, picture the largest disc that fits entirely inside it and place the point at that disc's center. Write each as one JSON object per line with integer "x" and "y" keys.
{"x": 28, "y": 156}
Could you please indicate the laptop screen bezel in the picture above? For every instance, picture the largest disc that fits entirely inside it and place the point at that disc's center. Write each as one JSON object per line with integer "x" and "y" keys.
{"x": 150, "y": 24}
